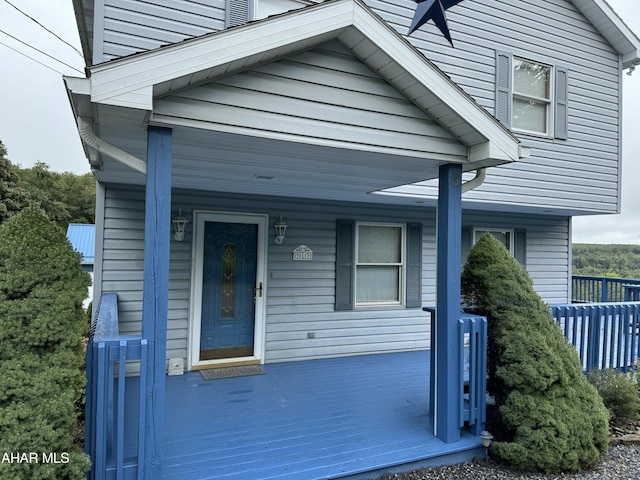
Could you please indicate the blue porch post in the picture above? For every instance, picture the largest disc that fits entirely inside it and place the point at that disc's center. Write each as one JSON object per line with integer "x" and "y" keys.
{"x": 446, "y": 358}
{"x": 156, "y": 291}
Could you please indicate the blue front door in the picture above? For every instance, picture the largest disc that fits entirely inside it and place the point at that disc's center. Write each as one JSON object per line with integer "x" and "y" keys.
{"x": 228, "y": 290}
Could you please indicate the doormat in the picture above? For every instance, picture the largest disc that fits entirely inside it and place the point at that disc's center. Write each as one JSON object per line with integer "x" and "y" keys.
{"x": 230, "y": 372}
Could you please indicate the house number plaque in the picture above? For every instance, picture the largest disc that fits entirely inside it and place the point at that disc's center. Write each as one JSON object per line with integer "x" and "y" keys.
{"x": 302, "y": 254}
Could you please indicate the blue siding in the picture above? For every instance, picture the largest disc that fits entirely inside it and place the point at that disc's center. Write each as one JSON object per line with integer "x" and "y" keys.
{"x": 301, "y": 295}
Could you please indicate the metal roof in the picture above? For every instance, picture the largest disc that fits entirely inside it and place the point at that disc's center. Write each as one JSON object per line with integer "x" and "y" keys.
{"x": 83, "y": 239}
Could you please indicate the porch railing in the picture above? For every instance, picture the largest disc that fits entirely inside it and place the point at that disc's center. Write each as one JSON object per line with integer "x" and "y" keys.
{"x": 473, "y": 337}
{"x": 587, "y": 289}
{"x": 605, "y": 335}
{"x": 106, "y": 412}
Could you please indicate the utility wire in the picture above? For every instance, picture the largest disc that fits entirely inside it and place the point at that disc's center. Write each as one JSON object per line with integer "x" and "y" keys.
{"x": 42, "y": 26}
{"x": 31, "y": 58}
{"x": 43, "y": 53}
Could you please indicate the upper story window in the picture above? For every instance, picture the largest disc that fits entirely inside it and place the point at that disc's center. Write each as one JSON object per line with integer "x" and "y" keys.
{"x": 532, "y": 97}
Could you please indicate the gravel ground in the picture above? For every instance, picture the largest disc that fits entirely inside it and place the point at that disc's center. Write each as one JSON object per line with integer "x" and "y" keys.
{"x": 619, "y": 463}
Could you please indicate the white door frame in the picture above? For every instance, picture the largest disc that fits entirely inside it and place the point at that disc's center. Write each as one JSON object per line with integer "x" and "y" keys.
{"x": 197, "y": 254}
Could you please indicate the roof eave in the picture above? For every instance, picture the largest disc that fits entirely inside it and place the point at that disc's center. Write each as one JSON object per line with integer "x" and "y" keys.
{"x": 613, "y": 28}
{"x": 353, "y": 23}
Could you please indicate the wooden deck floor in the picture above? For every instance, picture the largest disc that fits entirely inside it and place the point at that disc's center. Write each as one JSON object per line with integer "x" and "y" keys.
{"x": 307, "y": 420}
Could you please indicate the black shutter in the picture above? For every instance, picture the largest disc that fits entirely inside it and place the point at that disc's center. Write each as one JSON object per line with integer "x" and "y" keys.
{"x": 345, "y": 245}
{"x": 503, "y": 88}
{"x": 466, "y": 244}
{"x": 414, "y": 265}
{"x": 561, "y": 123}
{"x": 520, "y": 246}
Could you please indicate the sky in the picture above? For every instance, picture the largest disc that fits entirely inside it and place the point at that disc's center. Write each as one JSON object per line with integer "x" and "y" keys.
{"x": 36, "y": 122}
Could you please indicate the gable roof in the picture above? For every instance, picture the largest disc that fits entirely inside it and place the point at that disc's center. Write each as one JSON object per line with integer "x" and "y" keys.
{"x": 134, "y": 81}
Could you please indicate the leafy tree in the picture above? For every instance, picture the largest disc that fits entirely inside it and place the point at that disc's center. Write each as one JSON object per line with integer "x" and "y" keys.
{"x": 551, "y": 418}
{"x": 42, "y": 322}
{"x": 614, "y": 260}
{"x": 64, "y": 197}
{"x": 13, "y": 198}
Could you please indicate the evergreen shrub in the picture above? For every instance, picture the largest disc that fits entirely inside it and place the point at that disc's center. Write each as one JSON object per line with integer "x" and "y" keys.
{"x": 551, "y": 418}
{"x": 619, "y": 392}
{"x": 42, "y": 287}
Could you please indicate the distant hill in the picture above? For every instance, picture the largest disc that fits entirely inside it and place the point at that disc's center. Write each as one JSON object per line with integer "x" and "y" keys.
{"x": 611, "y": 260}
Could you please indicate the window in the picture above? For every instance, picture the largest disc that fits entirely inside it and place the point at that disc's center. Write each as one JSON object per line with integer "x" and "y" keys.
{"x": 532, "y": 96}
{"x": 504, "y": 236}
{"x": 379, "y": 264}
{"x": 515, "y": 239}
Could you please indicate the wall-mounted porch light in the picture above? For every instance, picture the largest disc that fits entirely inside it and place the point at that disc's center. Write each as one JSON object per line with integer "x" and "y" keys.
{"x": 280, "y": 227}
{"x": 179, "y": 223}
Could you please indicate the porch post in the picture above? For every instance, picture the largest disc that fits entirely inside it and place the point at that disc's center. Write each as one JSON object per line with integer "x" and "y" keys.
{"x": 446, "y": 360}
{"x": 155, "y": 292}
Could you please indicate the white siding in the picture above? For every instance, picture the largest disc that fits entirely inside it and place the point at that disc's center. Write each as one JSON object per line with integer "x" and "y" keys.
{"x": 301, "y": 294}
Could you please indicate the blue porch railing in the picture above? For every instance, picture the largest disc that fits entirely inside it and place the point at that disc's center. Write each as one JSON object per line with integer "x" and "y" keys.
{"x": 605, "y": 335}
{"x": 472, "y": 334}
{"x": 587, "y": 289}
{"x": 473, "y": 337}
{"x": 106, "y": 412}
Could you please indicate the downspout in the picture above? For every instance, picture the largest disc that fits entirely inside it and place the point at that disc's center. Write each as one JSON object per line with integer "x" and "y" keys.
{"x": 481, "y": 175}
{"x": 95, "y": 142}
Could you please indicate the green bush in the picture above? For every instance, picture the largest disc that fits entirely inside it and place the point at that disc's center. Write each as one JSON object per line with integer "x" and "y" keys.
{"x": 42, "y": 287}
{"x": 619, "y": 392}
{"x": 551, "y": 418}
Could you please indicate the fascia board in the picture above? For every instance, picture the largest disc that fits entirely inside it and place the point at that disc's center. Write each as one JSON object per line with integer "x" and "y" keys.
{"x": 79, "y": 94}
{"x": 624, "y": 40}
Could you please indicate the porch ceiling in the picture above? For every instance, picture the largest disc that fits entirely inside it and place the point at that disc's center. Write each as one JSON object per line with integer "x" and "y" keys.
{"x": 226, "y": 162}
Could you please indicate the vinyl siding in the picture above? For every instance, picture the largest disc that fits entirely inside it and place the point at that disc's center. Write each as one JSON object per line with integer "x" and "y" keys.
{"x": 131, "y": 26}
{"x": 325, "y": 93}
{"x": 580, "y": 173}
{"x": 301, "y": 295}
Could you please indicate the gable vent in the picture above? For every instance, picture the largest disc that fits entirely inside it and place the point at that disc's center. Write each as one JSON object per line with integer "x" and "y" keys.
{"x": 237, "y": 13}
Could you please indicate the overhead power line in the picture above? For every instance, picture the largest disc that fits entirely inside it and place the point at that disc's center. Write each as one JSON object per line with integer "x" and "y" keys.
{"x": 31, "y": 58}
{"x": 45, "y": 28}
{"x": 40, "y": 51}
